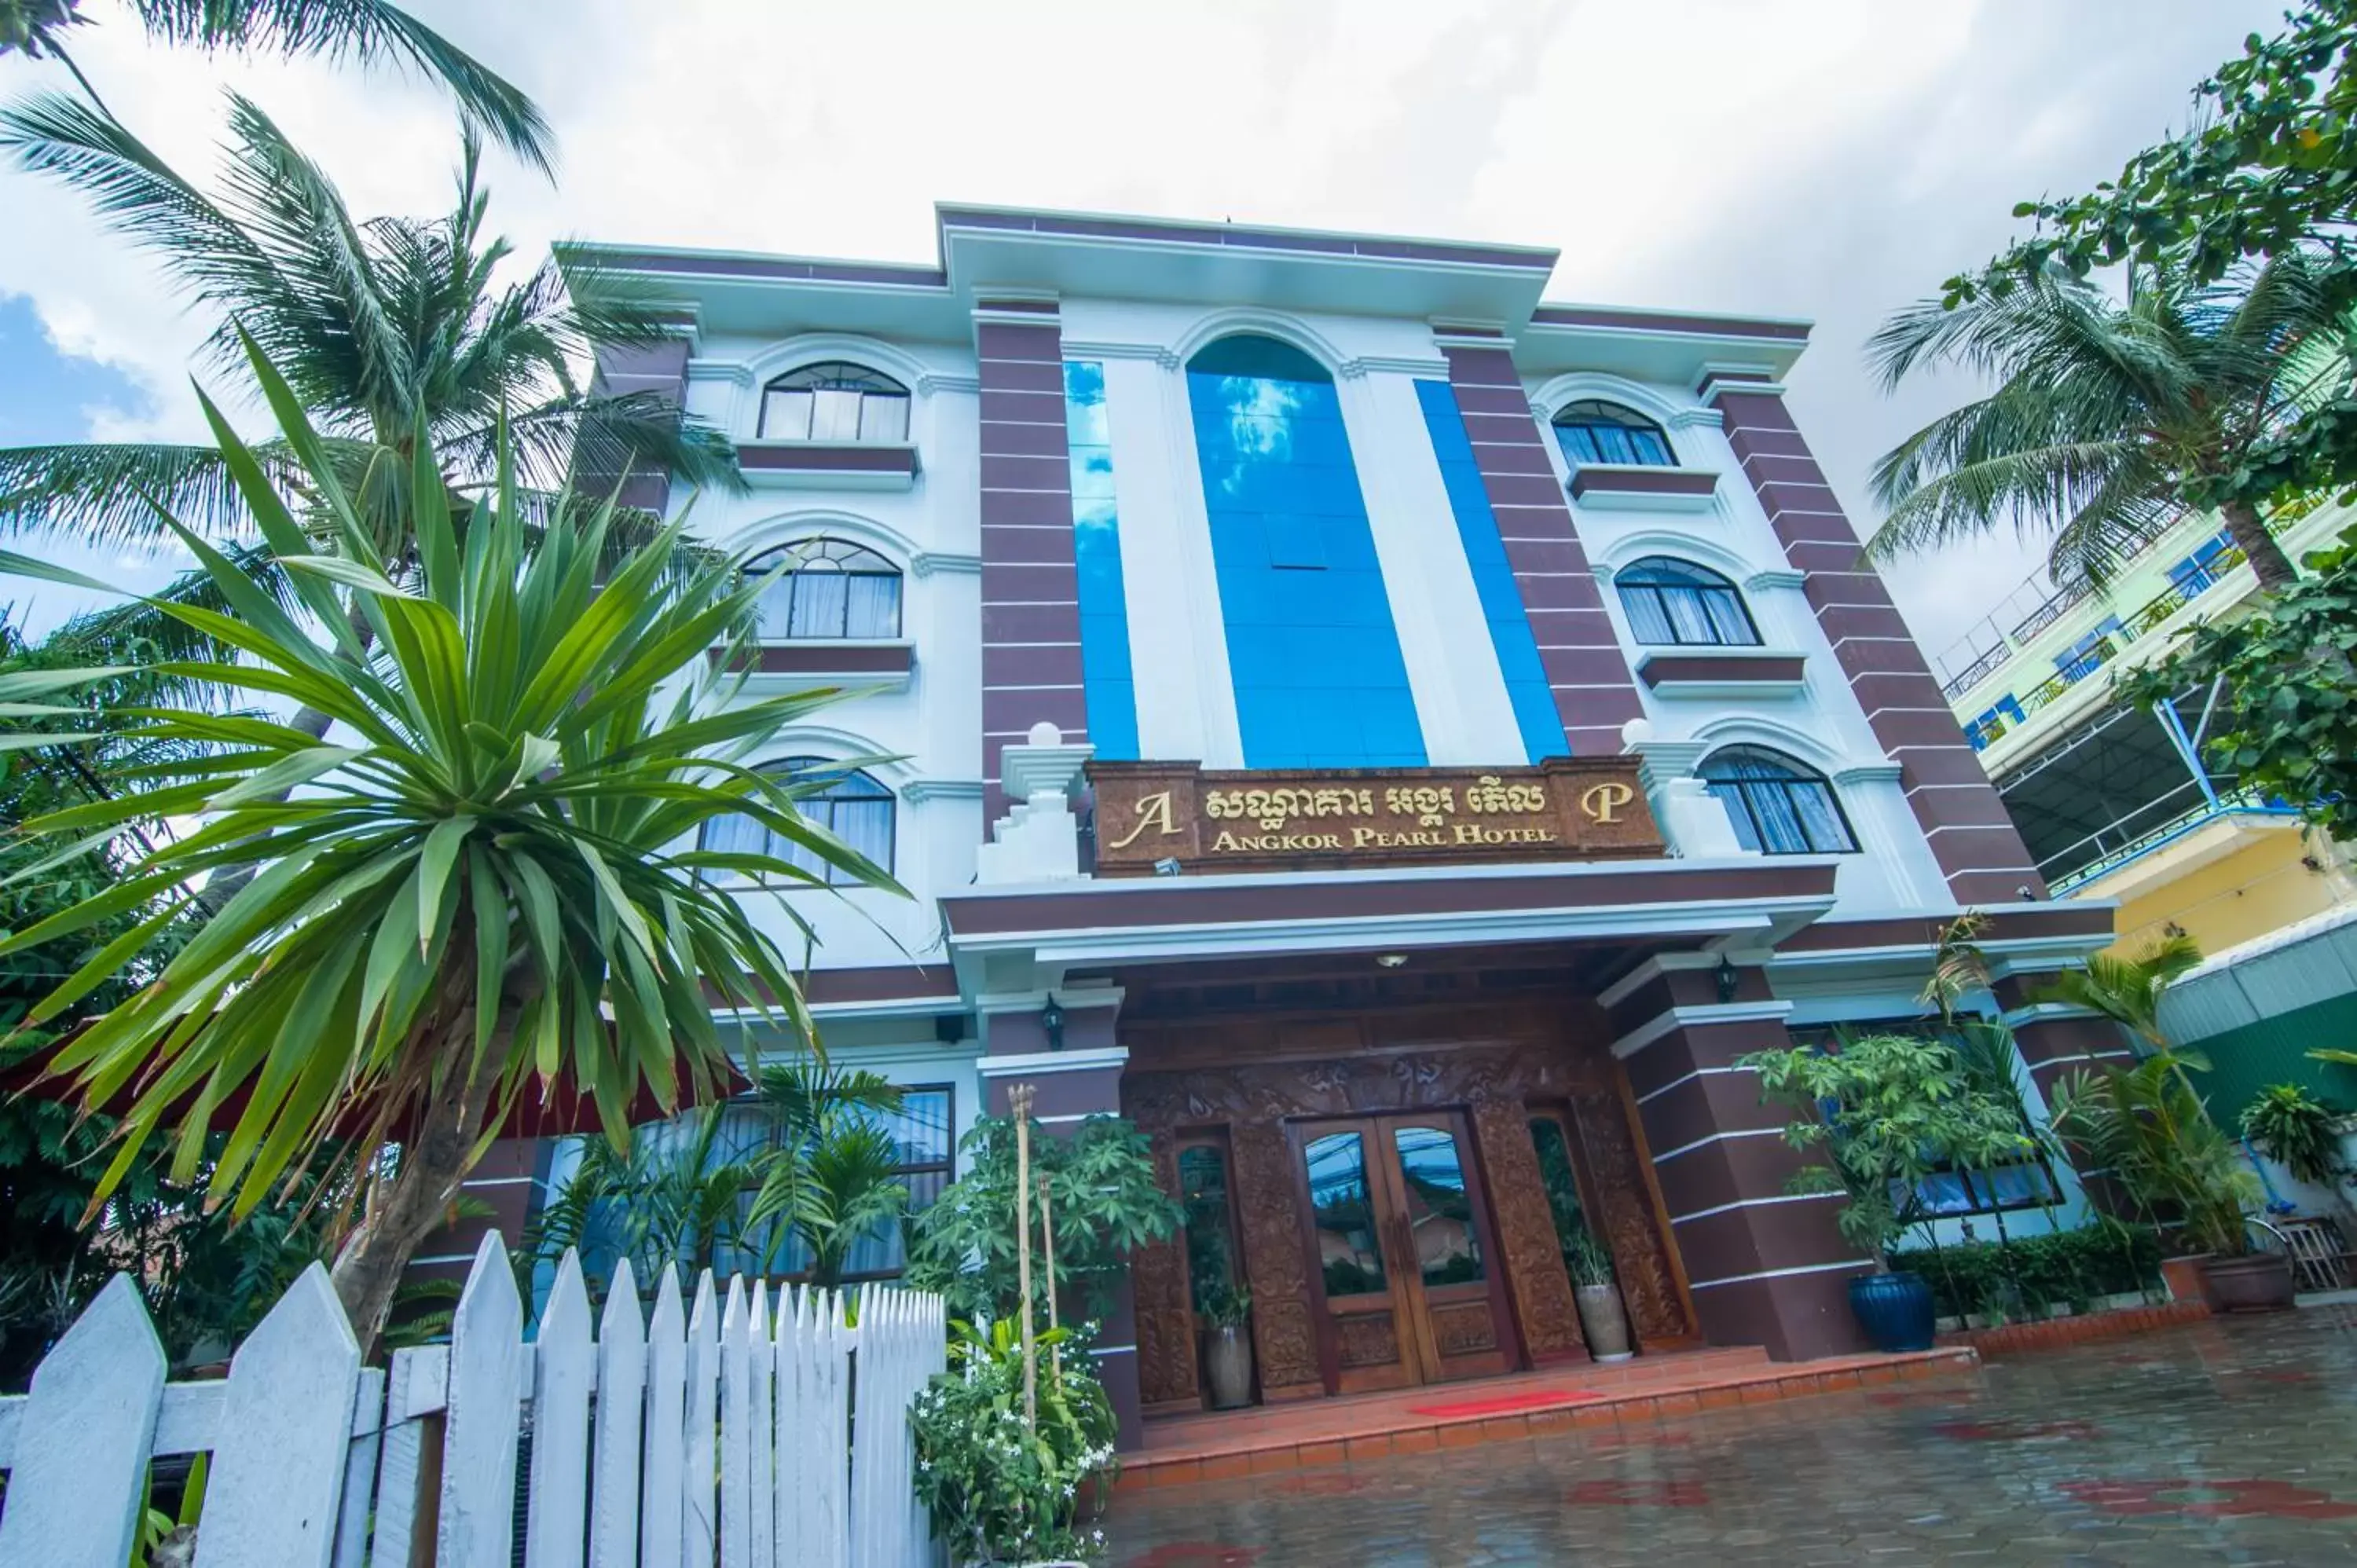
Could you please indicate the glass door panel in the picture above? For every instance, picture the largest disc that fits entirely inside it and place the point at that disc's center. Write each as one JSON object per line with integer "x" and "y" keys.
{"x": 1459, "y": 1316}
{"x": 1364, "y": 1339}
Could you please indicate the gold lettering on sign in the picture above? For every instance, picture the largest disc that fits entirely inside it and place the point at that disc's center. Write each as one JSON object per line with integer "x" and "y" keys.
{"x": 1153, "y": 811}
{"x": 1489, "y": 794}
{"x": 1272, "y": 809}
{"x": 1428, "y": 806}
{"x": 1601, "y": 800}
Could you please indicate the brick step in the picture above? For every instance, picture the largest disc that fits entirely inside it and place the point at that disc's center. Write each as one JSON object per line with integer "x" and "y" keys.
{"x": 1332, "y": 1432}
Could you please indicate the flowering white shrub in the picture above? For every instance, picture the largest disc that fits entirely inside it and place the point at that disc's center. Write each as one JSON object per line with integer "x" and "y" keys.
{"x": 1000, "y": 1492}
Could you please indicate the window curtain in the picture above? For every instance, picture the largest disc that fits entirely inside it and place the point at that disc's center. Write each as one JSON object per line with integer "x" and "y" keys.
{"x": 872, "y": 606}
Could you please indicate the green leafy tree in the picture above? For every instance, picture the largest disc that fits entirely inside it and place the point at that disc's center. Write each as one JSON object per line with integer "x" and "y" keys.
{"x": 2107, "y": 417}
{"x": 364, "y": 31}
{"x": 385, "y": 327}
{"x": 1107, "y": 1205}
{"x": 491, "y": 886}
{"x": 2284, "y": 671}
{"x": 2127, "y": 990}
{"x": 2290, "y": 1124}
{"x": 2146, "y": 1127}
{"x": 1001, "y": 1490}
{"x": 834, "y": 1176}
{"x": 1887, "y": 1112}
{"x": 2264, "y": 167}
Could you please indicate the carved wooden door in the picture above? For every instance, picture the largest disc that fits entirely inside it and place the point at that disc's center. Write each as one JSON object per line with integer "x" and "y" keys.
{"x": 1400, "y": 1251}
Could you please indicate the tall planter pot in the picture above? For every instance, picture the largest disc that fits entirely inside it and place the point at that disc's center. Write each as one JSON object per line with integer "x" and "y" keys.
{"x": 2185, "y": 1279}
{"x": 2261, "y": 1282}
{"x": 1894, "y": 1310}
{"x": 1228, "y": 1364}
{"x": 1603, "y": 1322}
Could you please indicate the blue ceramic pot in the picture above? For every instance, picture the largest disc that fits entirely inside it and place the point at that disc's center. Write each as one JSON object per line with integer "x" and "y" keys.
{"x": 1895, "y": 1310}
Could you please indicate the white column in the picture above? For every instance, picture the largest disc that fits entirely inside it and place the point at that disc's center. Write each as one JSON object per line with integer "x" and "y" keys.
{"x": 1166, "y": 570}
{"x": 1452, "y": 666}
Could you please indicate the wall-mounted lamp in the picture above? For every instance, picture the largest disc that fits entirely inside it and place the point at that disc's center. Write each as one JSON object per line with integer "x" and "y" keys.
{"x": 1731, "y": 979}
{"x": 1390, "y": 960}
{"x": 1051, "y": 1022}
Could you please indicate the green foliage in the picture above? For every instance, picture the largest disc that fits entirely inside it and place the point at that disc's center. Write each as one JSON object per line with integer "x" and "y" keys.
{"x": 2066, "y": 1268}
{"x": 2285, "y": 723}
{"x": 1107, "y": 1205}
{"x": 1590, "y": 1260}
{"x": 1224, "y": 1305}
{"x": 2291, "y": 1125}
{"x": 494, "y": 883}
{"x": 2145, "y": 1128}
{"x": 365, "y": 31}
{"x": 2127, "y": 990}
{"x": 834, "y": 1176}
{"x": 664, "y": 1203}
{"x": 2106, "y": 416}
{"x": 1001, "y": 1491}
{"x": 381, "y": 326}
{"x": 1887, "y": 1110}
{"x": 2268, "y": 166}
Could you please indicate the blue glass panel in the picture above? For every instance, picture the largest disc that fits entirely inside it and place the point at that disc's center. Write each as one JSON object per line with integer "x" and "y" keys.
{"x": 1311, "y": 645}
{"x": 1105, "y": 674}
{"x": 1494, "y": 576}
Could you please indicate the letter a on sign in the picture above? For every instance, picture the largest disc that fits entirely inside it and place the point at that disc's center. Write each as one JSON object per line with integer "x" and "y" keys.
{"x": 1602, "y": 801}
{"x": 1153, "y": 811}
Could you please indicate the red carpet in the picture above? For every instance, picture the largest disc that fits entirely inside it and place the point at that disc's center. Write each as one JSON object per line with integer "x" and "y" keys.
{"x": 1506, "y": 1404}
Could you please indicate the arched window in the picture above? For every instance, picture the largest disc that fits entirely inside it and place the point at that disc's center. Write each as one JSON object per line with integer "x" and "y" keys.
{"x": 834, "y": 402}
{"x": 832, "y": 588}
{"x": 1672, "y": 601}
{"x": 1779, "y": 807}
{"x": 843, "y": 801}
{"x": 1597, "y": 432}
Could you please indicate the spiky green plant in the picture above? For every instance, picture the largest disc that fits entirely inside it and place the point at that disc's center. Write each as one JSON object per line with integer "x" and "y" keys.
{"x": 2127, "y": 990}
{"x": 488, "y": 882}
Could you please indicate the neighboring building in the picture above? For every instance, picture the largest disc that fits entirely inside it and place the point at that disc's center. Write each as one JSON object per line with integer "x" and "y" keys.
{"x": 2114, "y": 804}
{"x": 1398, "y": 740}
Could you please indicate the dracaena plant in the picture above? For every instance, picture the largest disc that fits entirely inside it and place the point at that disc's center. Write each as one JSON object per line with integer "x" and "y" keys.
{"x": 483, "y": 883}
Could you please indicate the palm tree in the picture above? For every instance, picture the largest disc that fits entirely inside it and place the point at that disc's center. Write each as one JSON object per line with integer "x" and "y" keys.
{"x": 2106, "y": 415}
{"x": 367, "y": 31}
{"x": 2128, "y": 990}
{"x": 494, "y": 886}
{"x": 834, "y": 1176}
{"x": 381, "y": 326}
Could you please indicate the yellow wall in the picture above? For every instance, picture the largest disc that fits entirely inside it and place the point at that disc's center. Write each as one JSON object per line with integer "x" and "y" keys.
{"x": 2259, "y": 888}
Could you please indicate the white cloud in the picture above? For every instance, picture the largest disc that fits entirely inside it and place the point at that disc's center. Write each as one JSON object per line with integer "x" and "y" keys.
{"x": 1827, "y": 158}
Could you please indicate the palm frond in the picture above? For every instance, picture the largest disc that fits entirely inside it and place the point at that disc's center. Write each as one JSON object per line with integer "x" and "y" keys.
{"x": 367, "y": 32}
{"x": 108, "y": 492}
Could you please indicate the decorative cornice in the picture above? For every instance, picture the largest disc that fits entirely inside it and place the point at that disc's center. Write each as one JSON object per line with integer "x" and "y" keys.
{"x": 1698, "y": 419}
{"x": 728, "y": 372}
{"x": 1396, "y": 364}
{"x": 1774, "y": 577}
{"x": 934, "y": 382}
{"x": 1870, "y": 773}
{"x": 925, "y": 563}
{"x": 1037, "y": 1063}
{"x": 1702, "y": 1015}
{"x": 1084, "y": 349}
{"x": 916, "y": 791}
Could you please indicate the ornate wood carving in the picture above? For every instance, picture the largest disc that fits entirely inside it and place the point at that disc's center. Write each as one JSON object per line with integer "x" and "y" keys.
{"x": 1275, "y": 1264}
{"x": 1533, "y": 1262}
{"x": 1166, "y": 1323}
{"x": 1467, "y": 1330}
{"x": 1367, "y": 1340}
{"x": 1631, "y": 1225}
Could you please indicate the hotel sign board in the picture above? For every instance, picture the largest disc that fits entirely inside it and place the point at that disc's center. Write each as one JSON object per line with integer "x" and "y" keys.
{"x": 1565, "y": 808}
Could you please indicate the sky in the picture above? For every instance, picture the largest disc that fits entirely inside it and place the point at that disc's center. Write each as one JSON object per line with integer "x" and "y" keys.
{"x": 1829, "y": 159}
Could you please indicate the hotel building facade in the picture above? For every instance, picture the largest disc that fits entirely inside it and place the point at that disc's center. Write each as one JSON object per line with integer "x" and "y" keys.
{"x": 1397, "y": 740}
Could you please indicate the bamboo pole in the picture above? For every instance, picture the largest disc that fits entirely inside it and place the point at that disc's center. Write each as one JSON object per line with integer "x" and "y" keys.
{"x": 1048, "y": 1251}
{"x": 1018, "y": 1104}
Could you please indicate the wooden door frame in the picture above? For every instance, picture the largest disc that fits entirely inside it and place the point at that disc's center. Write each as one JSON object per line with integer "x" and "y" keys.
{"x": 1330, "y": 1342}
{"x": 1458, "y": 1122}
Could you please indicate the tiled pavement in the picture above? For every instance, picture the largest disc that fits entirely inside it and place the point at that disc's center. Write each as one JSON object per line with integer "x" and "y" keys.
{"x": 2229, "y": 1442}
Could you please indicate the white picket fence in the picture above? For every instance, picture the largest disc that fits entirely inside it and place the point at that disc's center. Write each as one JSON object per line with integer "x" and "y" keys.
{"x": 716, "y": 1431}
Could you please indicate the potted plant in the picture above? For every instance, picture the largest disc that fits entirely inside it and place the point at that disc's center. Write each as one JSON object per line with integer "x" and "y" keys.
{"x": 2291, "y": 1126}
{"x": 2146, "y": 1127}
{"x": 1603, "y": 1321}
{"x": 1887, "y": 1110}
{"x": 1227, "y": 1344}
{"x": 1002, "y": 1491}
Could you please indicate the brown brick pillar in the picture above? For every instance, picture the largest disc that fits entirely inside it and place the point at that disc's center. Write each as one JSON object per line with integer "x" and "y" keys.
{"x": 1974, "y": 840}
{"x": 1030, "y": 584}
{"x": 1764, "y": 1267}
{"x": 657, "y": 368}
{"x": 1079, "y": 1078}
{"x": 1593, "y": 694}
